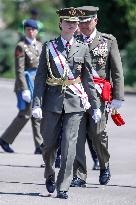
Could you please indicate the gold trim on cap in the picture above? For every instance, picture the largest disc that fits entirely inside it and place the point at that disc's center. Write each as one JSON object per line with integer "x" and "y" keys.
{"x": 82, "y": 13}
{"x": 72, "y": 12}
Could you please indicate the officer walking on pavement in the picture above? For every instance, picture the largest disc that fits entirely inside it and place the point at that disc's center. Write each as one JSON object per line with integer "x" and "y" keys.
{"x": 107, "y": 67}
{"x": 60, "y": 98}
{"x": 92, "y": 151}
{"x": 27, "y": 54}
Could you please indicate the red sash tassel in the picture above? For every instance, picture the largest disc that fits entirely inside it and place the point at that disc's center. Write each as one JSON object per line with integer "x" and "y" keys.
{"x": 117, "y": 118}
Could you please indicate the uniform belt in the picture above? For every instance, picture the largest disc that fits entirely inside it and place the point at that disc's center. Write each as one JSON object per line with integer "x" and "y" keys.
{"x": 63, "y": 82}
{"x": 31, "y": 69}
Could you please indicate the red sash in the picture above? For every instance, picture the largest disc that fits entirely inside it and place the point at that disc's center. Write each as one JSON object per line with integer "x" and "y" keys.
{"x": 105, "y": 87}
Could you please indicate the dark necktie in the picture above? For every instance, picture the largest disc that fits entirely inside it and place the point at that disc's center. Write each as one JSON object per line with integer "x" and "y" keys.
{"x": 67, "y": 47}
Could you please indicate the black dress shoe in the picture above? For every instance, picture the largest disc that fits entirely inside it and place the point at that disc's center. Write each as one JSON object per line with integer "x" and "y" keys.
{"x": 96, "y": 165}
{"x": 77, "y": 182}
{"x": 62, "y": 195}
{"x": 105, "y": 176}
{"x": 50, "y": 184}
{"x": 38, "y": 151}
{"x": 5, "y": 146}
{"x": 57, "y": 162}
{"x": 42, "y": 165}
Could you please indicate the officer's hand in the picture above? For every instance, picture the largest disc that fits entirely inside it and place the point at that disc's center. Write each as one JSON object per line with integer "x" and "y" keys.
{"x": 26, "y": 95}
{"x": 97, "y": 115}
{"x": 115, "y": 104}
{"x": 37, "y": 112}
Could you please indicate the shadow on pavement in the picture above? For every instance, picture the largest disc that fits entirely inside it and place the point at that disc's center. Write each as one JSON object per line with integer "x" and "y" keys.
{"x": 25, "y": 194}
{"x": 15, "y": 182}
{"x": 111, "y": 185}
{"x": 25, "y": 166}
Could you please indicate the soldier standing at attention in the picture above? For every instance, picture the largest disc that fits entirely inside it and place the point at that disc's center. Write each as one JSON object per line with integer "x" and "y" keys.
{"x": 107, "y": 66}
{"x": 34, "y": 14}
{"x": 27, "y": 54}
{"x": 61, "y": 97}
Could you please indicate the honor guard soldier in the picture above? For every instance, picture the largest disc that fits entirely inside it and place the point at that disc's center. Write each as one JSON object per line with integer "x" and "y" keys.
{"x": 34, "y": 15}
{"x": 107, "y": 67}
{"x": 63, "y": 90}
{"x": 27, "y": 54}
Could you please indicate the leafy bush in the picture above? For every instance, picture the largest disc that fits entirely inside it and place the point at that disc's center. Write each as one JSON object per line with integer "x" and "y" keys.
{"x": 130, "y": 64}
{"x": 8, "y": 39}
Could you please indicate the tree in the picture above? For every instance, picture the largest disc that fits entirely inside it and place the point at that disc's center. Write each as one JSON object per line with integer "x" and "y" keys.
{"x": 14, "y": 11}
{"x": 130, "y": 14}
{"x": 130, "y": 63}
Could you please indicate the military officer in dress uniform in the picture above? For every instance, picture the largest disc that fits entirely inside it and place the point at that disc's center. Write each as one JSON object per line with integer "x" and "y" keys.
{"x": 61, "y": 97}
{"x": 27, "y": 54}
{"x": 106, "y": 63}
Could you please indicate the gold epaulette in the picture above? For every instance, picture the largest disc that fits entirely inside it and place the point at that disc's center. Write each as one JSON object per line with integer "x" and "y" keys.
{"x": 21, "y": 44}
{"x": 109, "y": 36}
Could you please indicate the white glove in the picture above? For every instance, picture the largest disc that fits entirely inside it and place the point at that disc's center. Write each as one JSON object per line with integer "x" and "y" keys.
{"x": 115, "y": 104}
{"x": 37, "y": 112}
{"x": 26, "y": 95}
{"x": 97, "y": 115}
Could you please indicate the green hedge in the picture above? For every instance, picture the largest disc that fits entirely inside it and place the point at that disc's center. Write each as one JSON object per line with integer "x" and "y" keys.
{"x": 8, "y": 40}
{"x": 130, "y": 64}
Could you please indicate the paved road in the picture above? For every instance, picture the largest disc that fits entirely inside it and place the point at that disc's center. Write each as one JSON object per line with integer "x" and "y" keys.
{"x": 21, "y": 178}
